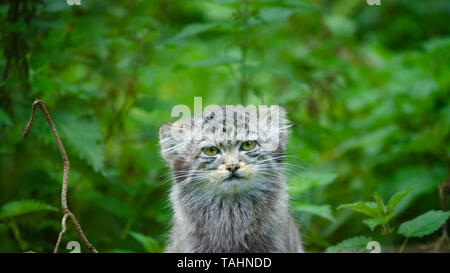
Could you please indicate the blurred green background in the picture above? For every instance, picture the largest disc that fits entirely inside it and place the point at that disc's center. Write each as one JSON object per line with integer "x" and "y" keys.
{"x": 368, "y": 88}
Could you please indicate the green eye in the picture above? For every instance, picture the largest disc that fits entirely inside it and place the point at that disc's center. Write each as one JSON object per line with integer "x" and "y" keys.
{"x": 211, "y": 150}
{"x": 248, "y": 145}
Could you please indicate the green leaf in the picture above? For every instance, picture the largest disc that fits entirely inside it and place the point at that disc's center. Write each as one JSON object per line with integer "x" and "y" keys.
{"x": 193, "y": 30}
{"x": 16, "y": 208}
{"x": 422, "y": 179}
{"x": 358, "y": 243}
{"x": 374, "y": 222}
{"x": 306, "y": 181}
{"x": 150, "y": 245}
{"x": 396, "y": 198}
{"x": 368, "y": 208}
{"x": 380, "y": 203}
{"x": 323, "y": 211}
{"x": 424, "y": 224}
{"x": 85, "y": 137}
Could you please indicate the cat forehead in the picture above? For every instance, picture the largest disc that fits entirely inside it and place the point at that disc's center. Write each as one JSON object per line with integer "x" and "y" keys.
{"x": 222, "y": 144}
{"x": 227, "y": 126}
{"x": 225, "y": 113}
{"x": 228, "y": 115}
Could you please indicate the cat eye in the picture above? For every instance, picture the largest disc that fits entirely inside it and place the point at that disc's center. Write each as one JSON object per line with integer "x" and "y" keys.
{"x": 248, "y": 145}
{"x": 211, "y": 150}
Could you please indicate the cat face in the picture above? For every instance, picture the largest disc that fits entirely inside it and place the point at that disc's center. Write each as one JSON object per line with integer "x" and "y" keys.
{"x": 226, "y": 150}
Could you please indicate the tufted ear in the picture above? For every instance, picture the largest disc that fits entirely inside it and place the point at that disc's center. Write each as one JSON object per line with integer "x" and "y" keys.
{"x": 167, "y": 142}
{"x": 273, "y": 127}
{"x": 284, "y": 126}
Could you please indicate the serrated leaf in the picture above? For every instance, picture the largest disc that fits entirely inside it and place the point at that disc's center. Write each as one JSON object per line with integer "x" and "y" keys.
{"x": 150, "y": 245}
{"x": 85, "y": 137}
{"x": 323, "y": 211}
{"x": 16, "y": 208}
{"x": 424, "y": 224}
{"x": 396, "y": 198}
{"x": 306, "y": 181}
{"x": 367, "y": 208}
{"x": 358, "y": 243}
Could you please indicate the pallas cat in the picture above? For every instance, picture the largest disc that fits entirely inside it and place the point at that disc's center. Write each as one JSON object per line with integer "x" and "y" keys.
{"x": 228, "y": 189}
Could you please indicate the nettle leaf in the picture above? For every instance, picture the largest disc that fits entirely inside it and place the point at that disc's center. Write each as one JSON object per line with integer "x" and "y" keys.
{"x": 150, "y": 245}
{"x": 16, "y": 208}
{"x": 424, "y": 224}
{"x": 358, "y": 243}
{"x": 85, "y": 137}
{"x": 372, "y": 223}
{"x": 306, "y": 181}
{"x": 396, "y": 198}
{"x": 323, "y": 211}
{"x": 368, "y": 208}
{"x": 380, "y": 203}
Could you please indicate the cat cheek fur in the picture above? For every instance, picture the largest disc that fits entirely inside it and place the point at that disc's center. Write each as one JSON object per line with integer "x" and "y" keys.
{"x": 246, "y": 170}
{"x": 219, "y": 175}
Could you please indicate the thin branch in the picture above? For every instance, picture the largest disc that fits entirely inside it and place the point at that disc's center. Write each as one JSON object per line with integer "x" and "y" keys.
{"x": 66, "y": 163}
{"x": 61, "y": 234}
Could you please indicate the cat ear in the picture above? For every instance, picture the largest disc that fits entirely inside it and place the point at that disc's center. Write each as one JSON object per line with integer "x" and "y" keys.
{"x": 285, "y": 124}
{"x": 167, "y": 142}
{"x": 274, "y": 127}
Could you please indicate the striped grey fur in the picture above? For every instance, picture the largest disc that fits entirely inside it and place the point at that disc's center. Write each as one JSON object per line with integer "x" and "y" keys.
{"x": 215, "y": 211}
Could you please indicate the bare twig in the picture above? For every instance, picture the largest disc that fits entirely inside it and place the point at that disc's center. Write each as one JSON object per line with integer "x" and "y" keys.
{"x": 66, "y": 163}
{"x": 61, "y": 234}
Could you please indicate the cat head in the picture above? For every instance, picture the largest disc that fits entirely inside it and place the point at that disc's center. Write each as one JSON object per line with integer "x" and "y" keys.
{"x": 226, "y": 149}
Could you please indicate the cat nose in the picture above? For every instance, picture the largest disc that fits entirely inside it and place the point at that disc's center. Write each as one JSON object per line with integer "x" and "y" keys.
{"x": 232, "y": 167}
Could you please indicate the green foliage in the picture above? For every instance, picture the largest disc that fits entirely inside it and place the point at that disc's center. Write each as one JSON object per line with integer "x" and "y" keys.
{"x": 306, "y": 181}
{"x": 323, "y": 211}
{"x": 367, "y": 89}
{"x": 309, "y": 180}
{"x": 424, "y": 224}
{"x": 395, "y": 199}
{"x": 16, "y": 208}
{"x": 368, "y": 208}
{"x": 149, "y": 244}
{"x": 358, "y": 243}
{"x": 379, "y": 213}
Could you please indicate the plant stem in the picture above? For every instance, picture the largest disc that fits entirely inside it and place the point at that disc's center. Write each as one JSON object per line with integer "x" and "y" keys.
{"x": 403, "y": 245}
{"x": 15, "y": 229}
{"x": 387, "y": 229}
